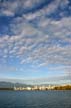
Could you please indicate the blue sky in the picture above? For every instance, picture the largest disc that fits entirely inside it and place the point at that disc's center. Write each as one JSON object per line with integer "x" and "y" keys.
{"x": 35, "y": 39}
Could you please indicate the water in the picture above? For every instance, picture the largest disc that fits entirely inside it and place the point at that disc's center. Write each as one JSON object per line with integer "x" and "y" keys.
{"x": 35, "y": 99}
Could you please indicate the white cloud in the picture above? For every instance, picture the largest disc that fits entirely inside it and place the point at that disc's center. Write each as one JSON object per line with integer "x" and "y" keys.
{"x": 46, "y": 42}
{"x": 35, "y": 46}
{"x": 7, "y": 13}
{"x": 10, "y": 8}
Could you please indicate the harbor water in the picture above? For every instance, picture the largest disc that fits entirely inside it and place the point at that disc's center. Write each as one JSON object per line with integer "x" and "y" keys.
{"x": 35, "y": 99}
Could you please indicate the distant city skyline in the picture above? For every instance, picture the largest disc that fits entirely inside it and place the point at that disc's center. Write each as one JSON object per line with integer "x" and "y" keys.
{"x": 35, "y": 40}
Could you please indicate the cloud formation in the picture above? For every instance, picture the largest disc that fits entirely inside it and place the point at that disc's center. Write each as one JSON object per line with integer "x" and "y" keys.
{"x": 38, "y": 45}
{"x": 39, "y": 32}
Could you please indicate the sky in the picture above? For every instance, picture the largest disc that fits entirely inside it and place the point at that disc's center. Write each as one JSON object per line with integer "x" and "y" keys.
{"x": 35, "y": 40}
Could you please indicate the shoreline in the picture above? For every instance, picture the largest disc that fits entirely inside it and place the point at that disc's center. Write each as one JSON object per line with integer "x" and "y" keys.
{"x": 38, "y": 88}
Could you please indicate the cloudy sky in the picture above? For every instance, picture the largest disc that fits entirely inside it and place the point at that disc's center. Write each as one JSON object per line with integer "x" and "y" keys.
{"x": 35, "y": 40}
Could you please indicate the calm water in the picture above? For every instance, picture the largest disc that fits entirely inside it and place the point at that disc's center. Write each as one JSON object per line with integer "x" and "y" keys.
{"x": 35, "y": 99}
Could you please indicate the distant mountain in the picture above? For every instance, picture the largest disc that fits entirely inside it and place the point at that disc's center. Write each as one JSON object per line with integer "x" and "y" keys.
{"x": 11, "y": 85}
